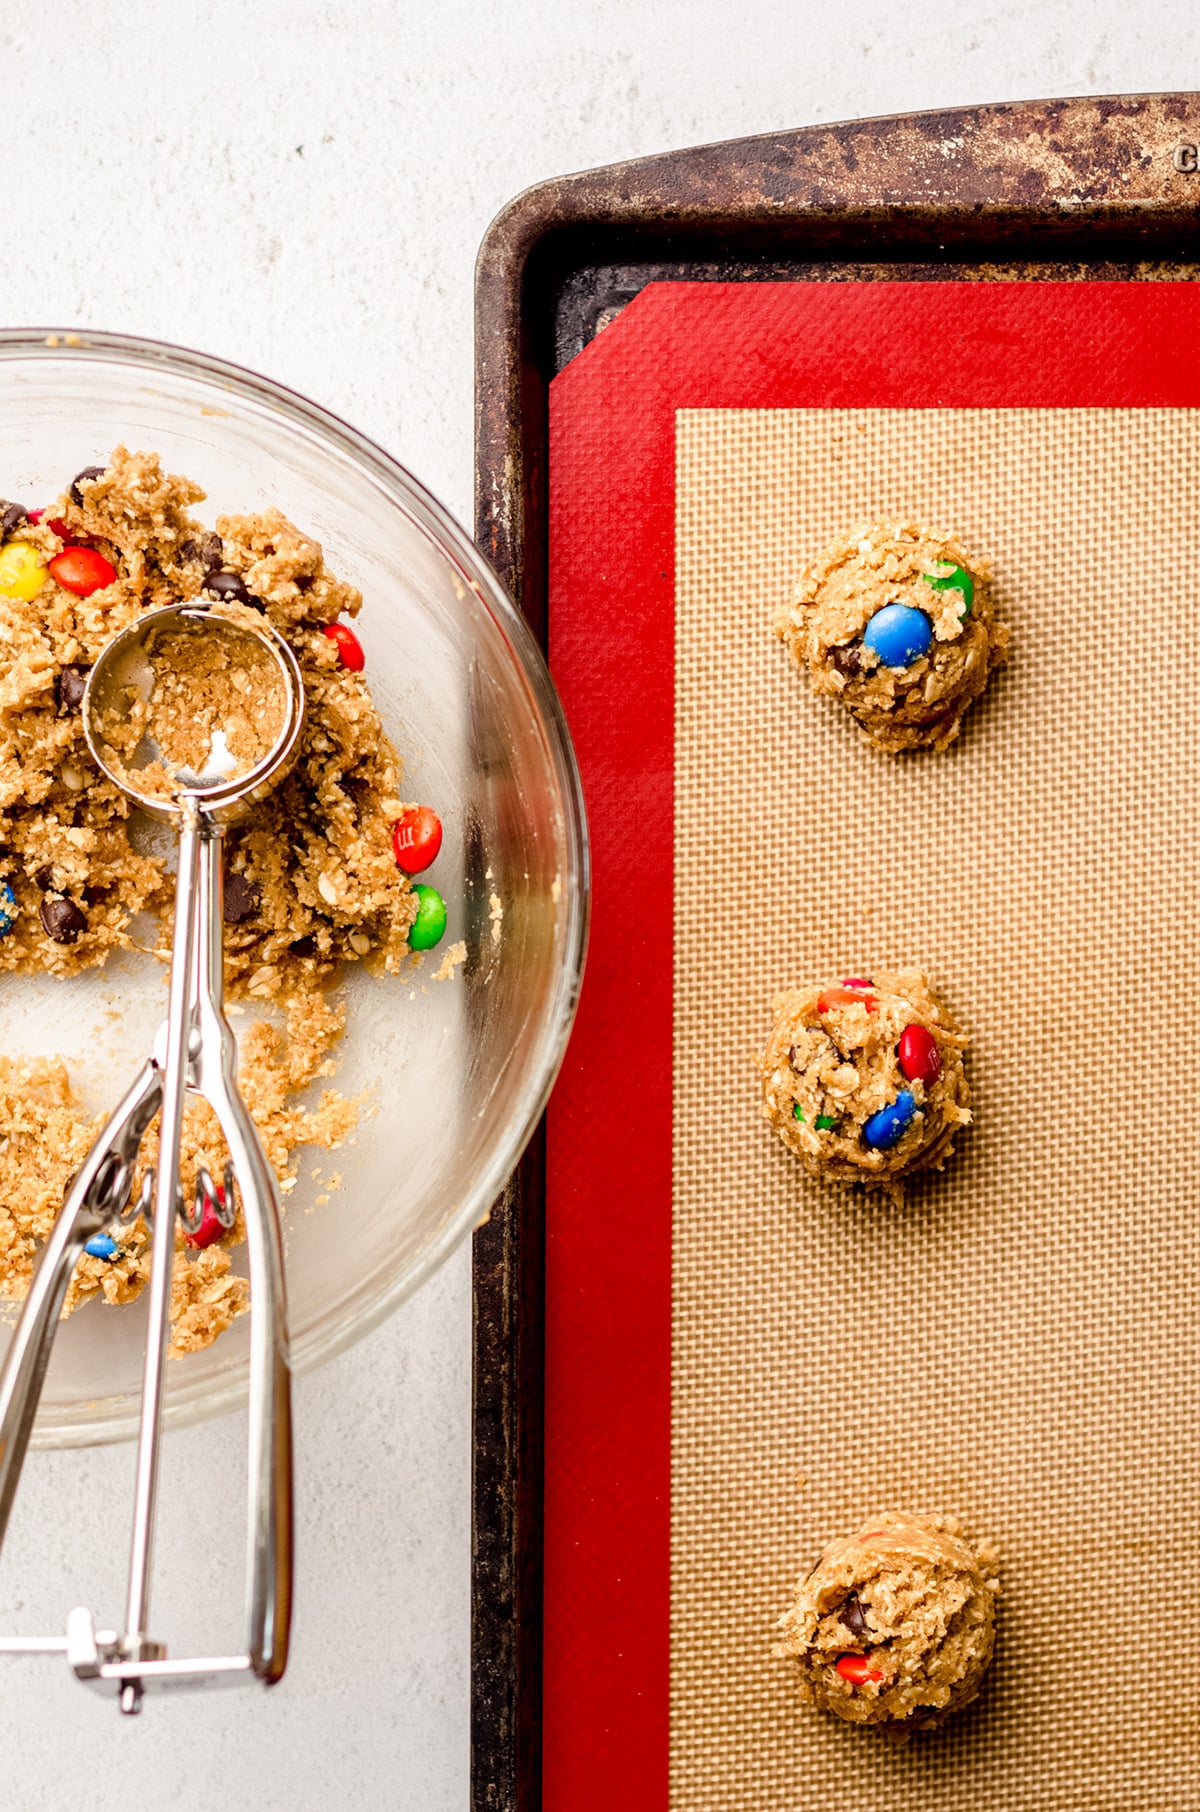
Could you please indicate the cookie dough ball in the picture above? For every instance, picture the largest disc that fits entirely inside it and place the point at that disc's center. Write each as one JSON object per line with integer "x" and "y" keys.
{"x": 895, "y": 620}
{"x": 894, "y": 1626}
{"x": 863, "y": 1079}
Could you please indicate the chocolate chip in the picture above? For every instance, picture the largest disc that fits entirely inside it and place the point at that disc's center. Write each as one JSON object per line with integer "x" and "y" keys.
{"x": 847, "y": 660}
{"x": 241, "y": 899}
{"x": 72, "y": 683}
{"x": 227, "y": 586}
{"x": 304, "y": 581}
{"x": 88, "y": 472}
{"x": 43, "y": 877}
{"x": 210, "y": 552}
{"x": 62, "y": 920}
{"x": 854, "y": 1617}
{"x": 12, "y": 517}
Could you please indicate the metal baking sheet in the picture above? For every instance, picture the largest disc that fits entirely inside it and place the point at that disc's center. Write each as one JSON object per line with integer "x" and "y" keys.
{"x": 1078, "y": 190}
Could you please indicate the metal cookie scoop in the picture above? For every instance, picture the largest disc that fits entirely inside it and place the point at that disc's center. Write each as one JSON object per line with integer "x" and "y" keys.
{"x": 240, "y": 745}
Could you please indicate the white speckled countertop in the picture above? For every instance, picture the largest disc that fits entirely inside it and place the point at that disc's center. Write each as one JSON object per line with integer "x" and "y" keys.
{"x": 301, "y": 186}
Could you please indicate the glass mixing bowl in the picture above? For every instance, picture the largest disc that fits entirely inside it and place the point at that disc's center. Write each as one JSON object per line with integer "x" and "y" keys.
{"x": 455, "y": 1071}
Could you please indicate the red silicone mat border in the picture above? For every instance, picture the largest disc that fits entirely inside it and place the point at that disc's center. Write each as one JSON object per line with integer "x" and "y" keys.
{"x": 608, "y": 1194}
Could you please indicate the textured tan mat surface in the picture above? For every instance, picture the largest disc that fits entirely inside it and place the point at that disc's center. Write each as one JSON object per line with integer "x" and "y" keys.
{"x": 1019, "y": 1343}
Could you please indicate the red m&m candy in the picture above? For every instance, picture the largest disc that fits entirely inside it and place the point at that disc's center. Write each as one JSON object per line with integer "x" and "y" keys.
{"x": 82, "y": 570}
{"x": 209, "y": 1230}
{"x": 54, "y": 522}
{"x": 211, "y": 1226}
{"x": 919, "y": 1056}
{"x": 416, "y": 839}
{"x": 350, "y": 651}
{"x": 857, "y": 1669}
{"x": 846, "y": 996}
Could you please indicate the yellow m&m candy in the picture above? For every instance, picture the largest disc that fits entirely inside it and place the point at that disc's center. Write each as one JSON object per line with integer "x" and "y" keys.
{"x": 22, "y": 573}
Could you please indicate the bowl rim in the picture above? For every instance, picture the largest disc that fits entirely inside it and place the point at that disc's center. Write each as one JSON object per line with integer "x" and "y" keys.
{"x": 187, "y": 1404}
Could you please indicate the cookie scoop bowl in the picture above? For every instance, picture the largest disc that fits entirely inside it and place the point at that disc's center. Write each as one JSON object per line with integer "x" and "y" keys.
{"x": 455, "y": 1071}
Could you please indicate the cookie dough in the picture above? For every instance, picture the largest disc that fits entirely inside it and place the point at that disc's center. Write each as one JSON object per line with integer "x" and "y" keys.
{"x": 863, "y": 1078}
{"x": 895, "y": 620}
{"x": 313, "y": 870}
{"x": 47, "y": 1136}
{"x": 311, "y": 878}
{"x": 895, "y": 1626}
{"x": 215, "y": 705}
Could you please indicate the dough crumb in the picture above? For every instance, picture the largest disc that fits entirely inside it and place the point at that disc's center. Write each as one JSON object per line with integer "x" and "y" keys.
{"x": 452, "y": 957}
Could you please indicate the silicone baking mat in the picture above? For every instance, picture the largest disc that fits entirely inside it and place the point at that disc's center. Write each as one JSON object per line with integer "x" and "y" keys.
{"x": 1017, "y": 1344}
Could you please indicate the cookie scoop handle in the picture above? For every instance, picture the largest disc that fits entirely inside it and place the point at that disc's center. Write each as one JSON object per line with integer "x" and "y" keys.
{"x": 98, "y": 1194}
{"x": 270, "y": 1487}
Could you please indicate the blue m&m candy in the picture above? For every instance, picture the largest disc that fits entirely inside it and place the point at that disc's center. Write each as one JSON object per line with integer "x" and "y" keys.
{"x": 102, "y": 1246}
{"x": 8, "y": 908}
{"x": 899, "y": 635}
{"x": 890, "y": 1124}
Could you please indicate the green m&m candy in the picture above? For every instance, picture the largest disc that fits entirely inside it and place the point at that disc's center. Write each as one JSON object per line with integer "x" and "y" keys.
{"x": 825, "y": 1122}
{"x": 954, "y": 578}
{"x": 430, "y": 923}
